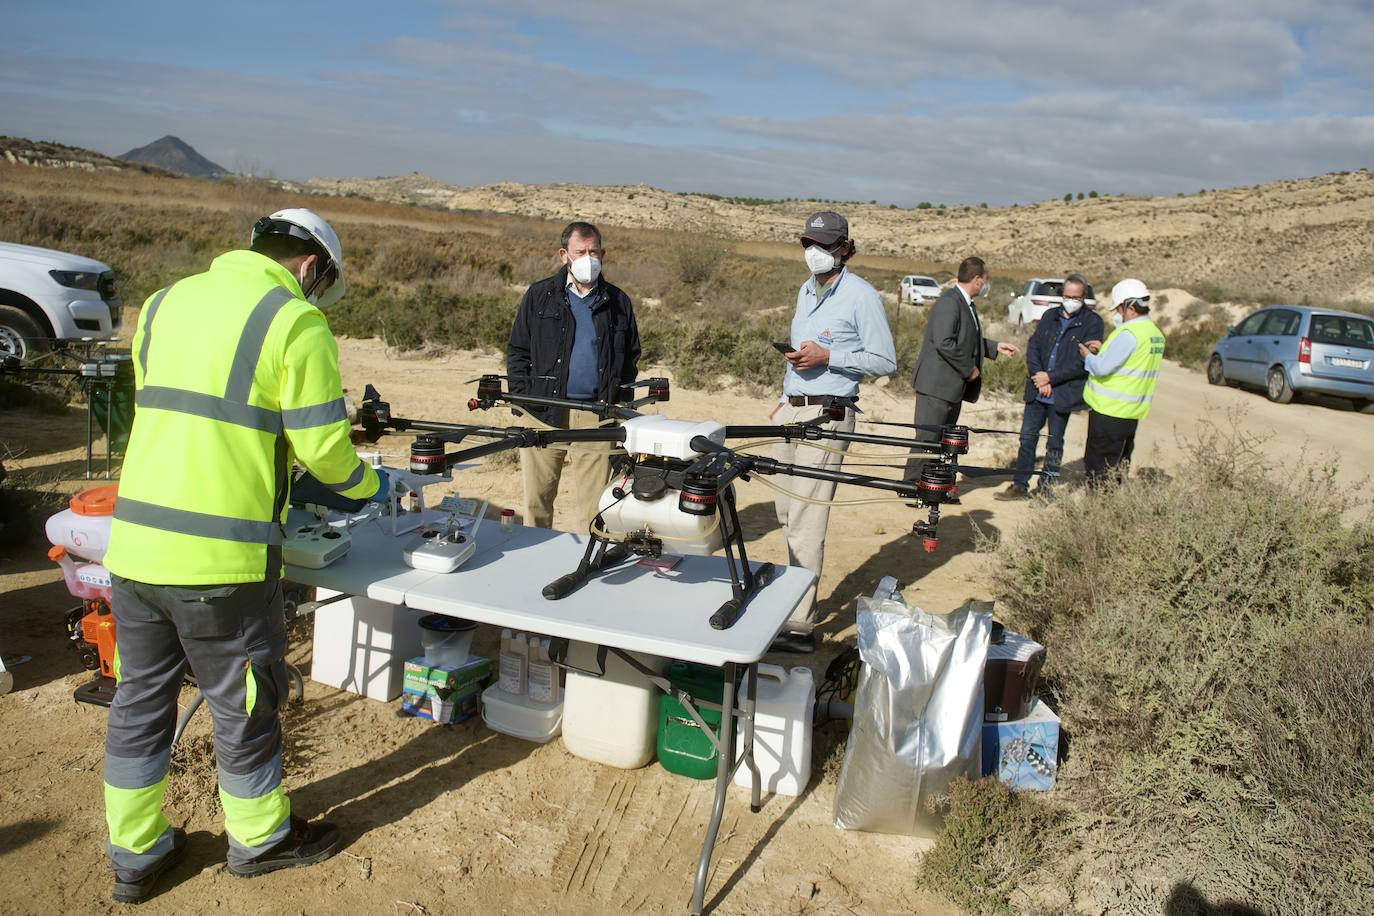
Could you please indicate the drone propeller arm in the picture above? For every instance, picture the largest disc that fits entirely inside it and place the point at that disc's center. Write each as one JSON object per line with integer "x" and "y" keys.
{"x": 791, "y": 431}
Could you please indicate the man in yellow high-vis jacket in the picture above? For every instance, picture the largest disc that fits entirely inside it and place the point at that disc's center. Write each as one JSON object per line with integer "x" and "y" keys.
{"x": 1121, "y": 382}
{"x": 237, "y": 375}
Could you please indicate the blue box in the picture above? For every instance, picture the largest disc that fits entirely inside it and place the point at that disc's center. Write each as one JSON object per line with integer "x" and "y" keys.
{"x": 1024, "y": 753}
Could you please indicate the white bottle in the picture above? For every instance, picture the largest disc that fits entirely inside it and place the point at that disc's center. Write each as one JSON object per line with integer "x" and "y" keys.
{"x": 514, "y": 662}
{"x": 543, "y": 674}
{"x": 782, "y": 731}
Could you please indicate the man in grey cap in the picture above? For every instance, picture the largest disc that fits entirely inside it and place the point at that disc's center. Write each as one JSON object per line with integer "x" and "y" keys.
{"x": 839, "y": 336}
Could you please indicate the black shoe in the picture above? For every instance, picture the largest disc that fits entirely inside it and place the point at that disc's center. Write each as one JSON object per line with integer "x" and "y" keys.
{"x": 141, "y": 889}
{"x": 1011, "y": 492}
{"x": 800, "y": 643}
{"x": 308, "y": 843}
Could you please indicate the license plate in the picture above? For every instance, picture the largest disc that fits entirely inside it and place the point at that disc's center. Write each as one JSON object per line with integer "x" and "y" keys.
{"x": 1347, "y": 363}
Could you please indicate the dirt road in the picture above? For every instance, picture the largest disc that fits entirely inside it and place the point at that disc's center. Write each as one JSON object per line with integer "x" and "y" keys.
{"x": 463, "y": 820}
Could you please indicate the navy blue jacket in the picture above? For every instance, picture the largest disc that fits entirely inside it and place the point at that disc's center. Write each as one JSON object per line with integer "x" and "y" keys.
{"x": 1068, "y": 376}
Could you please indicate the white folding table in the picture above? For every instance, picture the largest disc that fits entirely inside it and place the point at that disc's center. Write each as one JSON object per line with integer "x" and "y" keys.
{"x": 630, "y": 608}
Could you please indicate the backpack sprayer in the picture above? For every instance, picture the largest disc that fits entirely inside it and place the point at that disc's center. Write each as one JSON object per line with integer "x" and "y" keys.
{"x": 675, "y": 483}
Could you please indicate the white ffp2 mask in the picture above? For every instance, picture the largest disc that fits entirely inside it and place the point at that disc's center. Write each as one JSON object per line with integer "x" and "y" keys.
{"x": 585, "y": 269}
{"x": 819, "y": 260}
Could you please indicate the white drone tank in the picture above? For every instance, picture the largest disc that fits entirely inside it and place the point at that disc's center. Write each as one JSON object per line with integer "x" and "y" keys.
{"x": 694, "y": 535}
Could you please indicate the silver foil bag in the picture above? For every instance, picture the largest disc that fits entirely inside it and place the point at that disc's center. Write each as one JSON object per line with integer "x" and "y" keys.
{"x": 918, "y": 713}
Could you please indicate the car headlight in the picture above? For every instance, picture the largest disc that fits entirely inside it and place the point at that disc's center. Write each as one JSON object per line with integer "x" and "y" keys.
{"x": 76, "y": 279}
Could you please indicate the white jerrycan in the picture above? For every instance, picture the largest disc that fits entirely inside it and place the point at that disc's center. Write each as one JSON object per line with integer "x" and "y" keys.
{"x": 782, "y": 730}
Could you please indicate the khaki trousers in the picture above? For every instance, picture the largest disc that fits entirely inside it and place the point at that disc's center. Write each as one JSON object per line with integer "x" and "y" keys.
{"x": 542, "y": 469}
{"x": 804, "y": 523}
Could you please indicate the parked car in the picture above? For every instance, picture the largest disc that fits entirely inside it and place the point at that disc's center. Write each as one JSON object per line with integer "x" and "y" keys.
{"x": 918, "y": 290}
{"x": 1285, "y": 349}
{"x": 48, "y": 295}
{"x": 1039, "y": 297}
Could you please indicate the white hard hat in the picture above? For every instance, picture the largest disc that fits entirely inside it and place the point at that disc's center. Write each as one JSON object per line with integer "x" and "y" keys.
{"x": 307, "y": 224}
{"x": 1129, "y": 289}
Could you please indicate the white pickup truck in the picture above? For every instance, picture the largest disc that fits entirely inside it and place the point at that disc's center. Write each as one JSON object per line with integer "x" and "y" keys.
{"x": 48, "y": 295}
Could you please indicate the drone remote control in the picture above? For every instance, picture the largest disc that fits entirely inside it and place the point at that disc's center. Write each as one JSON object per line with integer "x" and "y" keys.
{"x": 440, "y": 551}
{"x": 316, "y": 546}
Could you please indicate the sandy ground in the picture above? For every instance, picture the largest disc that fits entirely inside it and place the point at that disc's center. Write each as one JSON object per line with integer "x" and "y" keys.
{"x": 460, "y": 819}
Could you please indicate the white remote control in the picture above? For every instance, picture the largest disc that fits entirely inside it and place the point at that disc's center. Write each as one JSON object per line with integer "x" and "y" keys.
{"x": 443, "y": 548}
{"x": 315, "y": 546}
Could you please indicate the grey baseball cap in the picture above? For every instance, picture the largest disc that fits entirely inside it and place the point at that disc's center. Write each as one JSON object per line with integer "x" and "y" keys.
{"x": 826, "y": 227}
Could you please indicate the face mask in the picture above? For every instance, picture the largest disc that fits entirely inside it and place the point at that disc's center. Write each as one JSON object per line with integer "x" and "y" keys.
{"x": 819, "y": 260}
{"x": 987, "y": 288}
{"x": 585, "y": 269}
{"x": 1117, "y": 316}
{"x": 312, "y": 297}
{"x": 1072, "y": 305}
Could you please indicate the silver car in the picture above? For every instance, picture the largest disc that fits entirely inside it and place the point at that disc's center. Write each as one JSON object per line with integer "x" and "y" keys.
{"x": 1286, "y": 349}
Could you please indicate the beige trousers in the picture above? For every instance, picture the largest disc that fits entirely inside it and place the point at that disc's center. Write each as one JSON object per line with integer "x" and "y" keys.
{"x": 542, "y": 469}
{"x": 804, "y": 523}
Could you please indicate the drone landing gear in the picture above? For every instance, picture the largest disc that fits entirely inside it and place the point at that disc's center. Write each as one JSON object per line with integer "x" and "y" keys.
{"x": 600, "y": 555}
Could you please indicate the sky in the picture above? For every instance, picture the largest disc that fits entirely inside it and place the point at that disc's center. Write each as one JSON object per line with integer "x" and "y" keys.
{"x": 898, "y": 101}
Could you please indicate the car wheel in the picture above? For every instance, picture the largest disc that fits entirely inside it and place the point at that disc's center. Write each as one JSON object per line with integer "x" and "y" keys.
{"x": 1215, "y": 374}
{"x": 20, "y": 335}
{"x": 1277, "y": 387}
{"x": 1367, "y": 407}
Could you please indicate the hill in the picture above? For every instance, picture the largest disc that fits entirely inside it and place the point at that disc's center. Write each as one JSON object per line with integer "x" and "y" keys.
{"x": 1298, "y": 240}
{"x": 176, "y": 155}
{"x": 43, "y": 154}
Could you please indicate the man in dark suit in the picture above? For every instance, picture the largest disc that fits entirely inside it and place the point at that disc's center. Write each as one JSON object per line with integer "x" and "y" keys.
{"x": 950, "y": 368}
{"x": 1055, "y": 376}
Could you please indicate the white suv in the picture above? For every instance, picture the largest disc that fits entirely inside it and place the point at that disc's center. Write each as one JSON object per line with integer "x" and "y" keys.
{"x": 1039, "y": 297}
{"x": 48, "y": 295}
{"x": 917, "y": 290}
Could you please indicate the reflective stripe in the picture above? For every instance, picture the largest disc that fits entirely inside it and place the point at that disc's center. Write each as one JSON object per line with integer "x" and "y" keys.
{"x": 253, "y": 823}
{"x": 253, "y": 784}
{"x": 198, "y": 404}
{"x": 249, "y": 350}
{"x": 198, "y": 524}
{"x": 315, "y": 415}
{"x": 1138, "y": 373}
{"x": 135, "y": 816}
{"x": 148, "y": 328}
{"x": 250, "y": 691}
{"x": 136, "y": 772}
{"x": 1119, "y": 396}
{"x": 353, "y": 479}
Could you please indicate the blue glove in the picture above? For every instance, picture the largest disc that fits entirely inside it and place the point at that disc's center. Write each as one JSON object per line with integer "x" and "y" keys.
{"x": 383, "y": 487}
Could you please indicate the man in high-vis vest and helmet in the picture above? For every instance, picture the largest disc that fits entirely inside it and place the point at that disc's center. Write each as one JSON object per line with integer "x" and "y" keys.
{"x": 1122, "y": 375}
{"x": 237, "y": 375}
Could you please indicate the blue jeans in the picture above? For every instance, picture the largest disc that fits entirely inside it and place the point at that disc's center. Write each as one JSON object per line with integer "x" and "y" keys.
{"x": 1032, "y": 421}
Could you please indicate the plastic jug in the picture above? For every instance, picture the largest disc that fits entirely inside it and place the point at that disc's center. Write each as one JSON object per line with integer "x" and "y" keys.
{"x": 782, "y": 730}
{"x": 611, "y": 719}
{"x": 84, "y": 528}
{"x": 84, "y": 580}
{"x": 683, "y": 747}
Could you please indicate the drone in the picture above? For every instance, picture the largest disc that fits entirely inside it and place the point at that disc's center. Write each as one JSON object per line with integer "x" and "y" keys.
{"x": 674, "y": 485}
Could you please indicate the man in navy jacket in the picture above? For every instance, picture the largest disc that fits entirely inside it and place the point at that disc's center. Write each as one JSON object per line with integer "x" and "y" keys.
{"x": 1054, "y": 385}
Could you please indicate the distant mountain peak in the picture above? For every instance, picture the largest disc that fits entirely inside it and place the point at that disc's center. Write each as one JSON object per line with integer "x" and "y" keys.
{"x": 176, "y": 155}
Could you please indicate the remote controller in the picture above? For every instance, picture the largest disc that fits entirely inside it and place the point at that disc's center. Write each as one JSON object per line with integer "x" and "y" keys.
{"x": 440, "y": 551}
{"x": 315, "y": 546}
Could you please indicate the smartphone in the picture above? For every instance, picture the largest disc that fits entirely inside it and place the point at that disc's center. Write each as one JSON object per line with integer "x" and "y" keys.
{"x": 783, "y": 347}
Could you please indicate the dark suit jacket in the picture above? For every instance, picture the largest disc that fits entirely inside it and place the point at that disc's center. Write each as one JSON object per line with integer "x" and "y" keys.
{"x": 953, "y": 345}
{"x": 1068, "y": 375}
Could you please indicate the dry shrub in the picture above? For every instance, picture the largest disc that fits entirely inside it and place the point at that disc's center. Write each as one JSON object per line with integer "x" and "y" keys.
{"x": 1178, "y": 617}
{"x": 993, "y": 840}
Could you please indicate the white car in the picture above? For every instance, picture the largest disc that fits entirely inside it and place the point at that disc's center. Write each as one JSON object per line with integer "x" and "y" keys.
{"x": 48, "y": 295}
{"x": 917, "y": 290}
{"x": 1039, "y": 297}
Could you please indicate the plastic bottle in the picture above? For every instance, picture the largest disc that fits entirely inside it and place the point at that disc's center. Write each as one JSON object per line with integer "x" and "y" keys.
{"x": 782, "y": 731}
{"x": 507, "y": 522}
{"x": 543, "y": 677}
{"x": 514, "y": 663}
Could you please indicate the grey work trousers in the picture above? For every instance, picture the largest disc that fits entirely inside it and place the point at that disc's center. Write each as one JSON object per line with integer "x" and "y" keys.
{"x": 804, "y": 523}
{"x": 234, "y": 639}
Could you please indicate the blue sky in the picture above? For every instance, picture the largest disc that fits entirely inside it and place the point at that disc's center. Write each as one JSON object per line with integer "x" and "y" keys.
{"x": 896, "y": 101}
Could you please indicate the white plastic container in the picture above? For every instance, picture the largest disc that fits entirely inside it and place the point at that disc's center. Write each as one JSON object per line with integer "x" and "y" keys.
{"x": 362, "y": 645}
{"x": 695, "y": 535}
{"x": 520, "y": 717}
{"x": 544, "y": 680}
{"x": 84, "y": 528}
{"x": 447, "y": 640}
{"x": 782, "y": 731}
{"x": 612, "y": 719}
{"x": 513, "y": 664}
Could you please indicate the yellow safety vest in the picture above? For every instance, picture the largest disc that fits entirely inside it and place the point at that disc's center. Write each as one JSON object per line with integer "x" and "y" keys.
{"x": 1127, "y": 392}
{"x": 236, "y": 375}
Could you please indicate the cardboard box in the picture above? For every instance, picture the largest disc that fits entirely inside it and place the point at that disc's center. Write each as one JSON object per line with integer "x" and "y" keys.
{"x": 1023, "y": 753}
{"x": 443, "y": 694}
{"x": 419, "y": 676}
{"x": 458, "y": 708}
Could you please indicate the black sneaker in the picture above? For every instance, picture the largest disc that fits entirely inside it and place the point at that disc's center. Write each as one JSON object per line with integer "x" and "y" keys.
{"x": 1010, "y": 492}
{"x": 800, "y": 643}
{"x": 141, "y": 889}
{"x": 307, "y": 843}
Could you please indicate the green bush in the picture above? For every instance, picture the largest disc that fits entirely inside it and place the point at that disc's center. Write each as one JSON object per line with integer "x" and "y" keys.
{"x": 1191, "y": 344}
{"x": 1192, "y": 626}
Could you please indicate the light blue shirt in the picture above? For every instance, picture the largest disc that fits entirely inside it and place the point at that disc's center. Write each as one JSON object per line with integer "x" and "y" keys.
{"x": 1114, "y": 356}
{"x": 849, "y": 321}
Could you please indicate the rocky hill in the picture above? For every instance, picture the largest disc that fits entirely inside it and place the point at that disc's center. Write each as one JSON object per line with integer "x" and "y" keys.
{"x": 1289, "y": 240}
{"x": 42, "y": 154}
{"x": 176, "y": 155}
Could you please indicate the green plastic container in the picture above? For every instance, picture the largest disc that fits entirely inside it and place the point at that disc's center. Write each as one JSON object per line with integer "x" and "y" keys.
{"x": 683, "y": 748}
